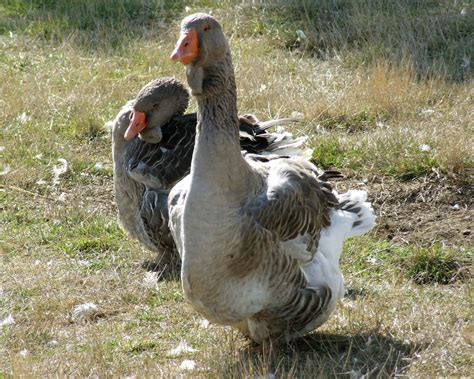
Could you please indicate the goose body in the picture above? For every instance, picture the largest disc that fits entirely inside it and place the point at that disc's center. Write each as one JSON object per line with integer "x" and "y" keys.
{"x": 260, "y": 237}
{"x": 146, "y": 168}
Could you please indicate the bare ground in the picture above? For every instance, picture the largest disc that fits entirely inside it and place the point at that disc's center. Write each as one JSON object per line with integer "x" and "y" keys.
{"x": 421, "y": 211}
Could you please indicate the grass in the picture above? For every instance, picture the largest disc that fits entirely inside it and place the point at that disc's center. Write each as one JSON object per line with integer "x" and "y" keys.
{"x": 384, "y": 97}
{"x": 422, "y": 265}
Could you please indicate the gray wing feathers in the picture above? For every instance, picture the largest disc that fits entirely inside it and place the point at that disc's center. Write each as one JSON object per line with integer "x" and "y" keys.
{"x": 154, "y": 215}
{"x": 294, "y": 202}
{"x": 175, "y": 206}
{"x": 160, "y": 166}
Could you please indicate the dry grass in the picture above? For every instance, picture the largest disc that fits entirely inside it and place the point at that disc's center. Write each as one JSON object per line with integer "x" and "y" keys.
{"x": 61, "y": 246}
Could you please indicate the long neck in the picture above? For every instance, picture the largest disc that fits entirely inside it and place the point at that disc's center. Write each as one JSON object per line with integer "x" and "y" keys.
{"x": 217, "y": 159}
{"x": 127, "y": 192}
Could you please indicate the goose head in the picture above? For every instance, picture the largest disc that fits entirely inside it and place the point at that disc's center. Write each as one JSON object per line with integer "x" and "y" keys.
{"x": 202, "y": 47}
{"x": 155, "y": 105}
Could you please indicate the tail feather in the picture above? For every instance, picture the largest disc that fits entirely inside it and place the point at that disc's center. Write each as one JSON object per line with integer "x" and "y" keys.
{"x": 355, "y": 202}
{"x": 330, "y": 174}
{"x": 264, "y": 125}
{"x": 285, "y": 144}
{"x": 280, "y": 142}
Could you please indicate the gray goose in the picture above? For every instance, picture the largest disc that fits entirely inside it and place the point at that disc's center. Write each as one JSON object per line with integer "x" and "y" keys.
{"x": 259, "y": 237}
{"x": 146, "y": 168}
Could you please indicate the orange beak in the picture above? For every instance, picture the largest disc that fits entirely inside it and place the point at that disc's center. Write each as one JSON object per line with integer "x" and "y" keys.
{"x": 187, "y": 48}
{"x": 137, "y": 124}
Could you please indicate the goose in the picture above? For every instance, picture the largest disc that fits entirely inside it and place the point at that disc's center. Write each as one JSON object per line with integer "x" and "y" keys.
{"x": 259, "y": 237}
{"x": 145, "y": 168}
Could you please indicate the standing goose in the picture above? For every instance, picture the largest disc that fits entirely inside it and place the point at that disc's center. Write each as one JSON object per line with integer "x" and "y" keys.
{"x": 146, "y": 168}
{"x": 260, "y": 238}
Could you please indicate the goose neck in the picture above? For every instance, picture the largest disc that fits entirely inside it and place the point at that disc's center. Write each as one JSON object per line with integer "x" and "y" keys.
{"x": 217, "y": 156}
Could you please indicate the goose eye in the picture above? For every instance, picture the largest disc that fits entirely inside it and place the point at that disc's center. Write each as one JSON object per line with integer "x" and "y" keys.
{"x": 206, "y": 28}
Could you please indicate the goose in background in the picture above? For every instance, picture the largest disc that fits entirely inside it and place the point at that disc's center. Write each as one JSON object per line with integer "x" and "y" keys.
{"x": 259, "y": 237}
{"x": 147, "y": 166}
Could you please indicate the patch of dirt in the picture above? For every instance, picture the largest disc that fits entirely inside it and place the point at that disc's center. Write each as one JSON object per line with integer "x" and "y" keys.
{"x": 420, "y": 211}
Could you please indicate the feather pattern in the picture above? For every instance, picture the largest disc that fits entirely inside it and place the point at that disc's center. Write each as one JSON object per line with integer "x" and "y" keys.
{"x": 144, "y": 171}
{"x": 260, "y": 237}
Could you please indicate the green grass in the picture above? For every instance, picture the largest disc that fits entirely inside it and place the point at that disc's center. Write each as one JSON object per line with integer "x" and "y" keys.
{"x": 433, "y": 36}
{"x": 422, "y": 265}
{"x": 374, "y": 81}
{"x": 401, "y": 156}
{"x": 436, "y": 265}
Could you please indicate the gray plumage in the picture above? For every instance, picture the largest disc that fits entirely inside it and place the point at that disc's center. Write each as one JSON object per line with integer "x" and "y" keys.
{"x": 146, "y": 168}
{"x": 260, "y": 238}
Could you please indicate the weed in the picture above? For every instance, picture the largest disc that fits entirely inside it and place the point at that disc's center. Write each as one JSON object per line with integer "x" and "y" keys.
{"x": 423, "y": 265}
{"x": 435, "y": 265}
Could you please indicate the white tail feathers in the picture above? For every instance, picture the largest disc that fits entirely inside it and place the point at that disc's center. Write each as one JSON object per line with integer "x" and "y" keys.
{"x": 285, "y": 144}
{"x": 355, "y": 204}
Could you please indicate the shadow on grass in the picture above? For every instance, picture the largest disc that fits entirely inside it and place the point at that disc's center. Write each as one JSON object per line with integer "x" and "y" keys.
{"x": 94, "y": 25}
{"x": 167, "y": 268}
{"x": 435, "y": 37}
{"x": 322, "y": 355}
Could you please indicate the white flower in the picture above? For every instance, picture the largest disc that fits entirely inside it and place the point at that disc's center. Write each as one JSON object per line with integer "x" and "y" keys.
{"x": 62, "y": 197}
{"x": 187, "y": 364}
{"x": 24, "y": 118}
{"x": 182, "y": 348}
{"x": 98, "y": 166}
{"x": 60, "y": 169}
{"x": 9, "y": 320}
{"x": 84, "y": 311}
{"x": 24, "y": 352}
{"x": 369, "y": 341}
{"x": 301, "y": 35}
{"x": 355, "y": 374}
{"x": 425, "y": 147}
{"x": 150, "y": 280}
{"x": 6, "y": 170}
{"x": 296, "y": 114}
{"x": 204, "y": 324}
{"x": 466, "y": 62}
{"x": 427, "y": 111}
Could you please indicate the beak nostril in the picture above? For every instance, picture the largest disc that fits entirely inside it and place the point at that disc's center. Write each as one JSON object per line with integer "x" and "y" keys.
{"x": 187, "y": 47}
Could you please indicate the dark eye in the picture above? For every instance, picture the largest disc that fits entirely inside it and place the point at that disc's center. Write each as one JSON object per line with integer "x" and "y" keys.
{"x": 206, "y": 28}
